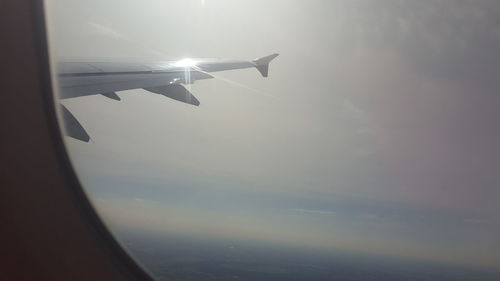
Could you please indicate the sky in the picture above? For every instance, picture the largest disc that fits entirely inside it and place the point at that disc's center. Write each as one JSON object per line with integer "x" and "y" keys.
{"x": 377, "y": 130}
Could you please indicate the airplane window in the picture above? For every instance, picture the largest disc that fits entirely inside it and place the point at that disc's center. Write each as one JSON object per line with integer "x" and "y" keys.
{"x": 285, "y": 139}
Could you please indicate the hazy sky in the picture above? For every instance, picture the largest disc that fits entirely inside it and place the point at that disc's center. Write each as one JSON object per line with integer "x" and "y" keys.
{"x": 377, "y": 131}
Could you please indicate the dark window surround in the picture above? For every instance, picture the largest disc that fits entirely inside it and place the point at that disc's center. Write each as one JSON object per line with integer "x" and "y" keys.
{"x": 48, "y": 229}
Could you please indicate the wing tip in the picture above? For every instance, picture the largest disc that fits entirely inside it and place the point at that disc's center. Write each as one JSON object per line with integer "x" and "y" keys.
{"x": 262, "y": 64}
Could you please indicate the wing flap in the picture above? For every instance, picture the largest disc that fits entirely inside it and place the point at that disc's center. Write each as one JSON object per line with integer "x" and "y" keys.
{"x": 112, "y": 95}
{"x": 176, "y": 92}
{"x": 72, "y": 126}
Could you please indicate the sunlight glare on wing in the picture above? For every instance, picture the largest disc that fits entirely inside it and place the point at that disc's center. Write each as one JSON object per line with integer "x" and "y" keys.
{"x": 187, "y": 62}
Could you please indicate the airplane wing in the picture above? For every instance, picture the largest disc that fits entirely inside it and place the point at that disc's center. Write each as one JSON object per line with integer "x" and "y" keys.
{"x": 91, "y": 78}
{"x": 165, "y": 78}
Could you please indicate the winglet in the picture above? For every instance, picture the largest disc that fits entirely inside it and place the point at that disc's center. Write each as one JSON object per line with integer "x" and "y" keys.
{"x": 262, "y": 64}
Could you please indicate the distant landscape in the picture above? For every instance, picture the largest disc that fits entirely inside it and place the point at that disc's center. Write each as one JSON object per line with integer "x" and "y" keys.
{"x": 195, "y": 259}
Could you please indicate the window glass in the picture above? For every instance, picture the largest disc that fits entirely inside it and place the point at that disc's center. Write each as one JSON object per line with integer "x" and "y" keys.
{"x": 370, "y": 152}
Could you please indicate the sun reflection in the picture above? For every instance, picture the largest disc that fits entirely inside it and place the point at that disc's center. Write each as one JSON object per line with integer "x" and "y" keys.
{"x": 185, "y": 63}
